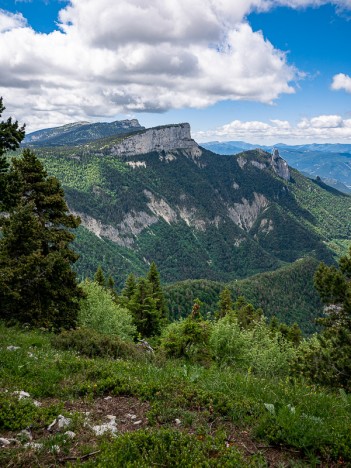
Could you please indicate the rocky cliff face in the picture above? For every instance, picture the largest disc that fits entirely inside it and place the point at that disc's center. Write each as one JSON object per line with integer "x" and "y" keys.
{"x": 168, "y": 138}
{"x": 279, "y": 165}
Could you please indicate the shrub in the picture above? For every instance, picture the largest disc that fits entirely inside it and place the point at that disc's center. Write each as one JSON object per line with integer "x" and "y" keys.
{"x": 99, "y": 312}
{"x": 187, "y": 339}
{"x": 92, "y": 344}
{"x": 255, "y": 349}
{"x": 18, "y": 414}
{"x": 167, "y": 448}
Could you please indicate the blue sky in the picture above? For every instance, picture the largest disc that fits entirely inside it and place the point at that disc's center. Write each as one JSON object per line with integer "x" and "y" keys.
{"x": 254, "y": 70}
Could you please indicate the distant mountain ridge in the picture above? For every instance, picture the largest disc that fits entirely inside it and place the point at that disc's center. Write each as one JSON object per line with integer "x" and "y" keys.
{"x": 330, "y": 162}
{"x": 81, "y": 132}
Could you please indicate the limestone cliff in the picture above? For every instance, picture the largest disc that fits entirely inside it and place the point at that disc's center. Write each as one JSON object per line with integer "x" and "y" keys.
{"x": 279, "y": 165}
{"x": 167, "y": 138}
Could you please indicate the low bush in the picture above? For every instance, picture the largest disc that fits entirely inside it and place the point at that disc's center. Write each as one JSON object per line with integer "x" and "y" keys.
{"x": 312, "y": 434}
{"x": 93, "y": 344}
{"x": 187, "y": 339}
{"x": 18, "y": 414}
{"x": 167, "y": 448}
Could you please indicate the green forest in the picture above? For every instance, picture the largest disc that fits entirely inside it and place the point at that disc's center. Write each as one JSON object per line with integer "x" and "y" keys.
{"x": 100, "y": 370}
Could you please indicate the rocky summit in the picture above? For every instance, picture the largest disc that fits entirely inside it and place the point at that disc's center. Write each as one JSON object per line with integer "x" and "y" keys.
{"x": 166, "y": 138}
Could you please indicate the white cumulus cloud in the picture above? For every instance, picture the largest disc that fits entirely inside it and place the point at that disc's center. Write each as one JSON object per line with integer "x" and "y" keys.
{"x": 10, "y": 21}
{"x": 108, "y": 57}
{"x": 331, "y": 128}
{"x": 341, "y": 82}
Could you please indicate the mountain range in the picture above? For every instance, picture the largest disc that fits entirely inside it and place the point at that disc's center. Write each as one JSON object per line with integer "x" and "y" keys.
{"x": 80, "y": 132}
{"x": 330, "y": 162}
{"x": 156, "y": 195}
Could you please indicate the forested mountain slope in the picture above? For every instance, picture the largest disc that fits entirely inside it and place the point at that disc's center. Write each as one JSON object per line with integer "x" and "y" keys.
{"x": 287, "y": 293}
{"x": 157, "y": 195}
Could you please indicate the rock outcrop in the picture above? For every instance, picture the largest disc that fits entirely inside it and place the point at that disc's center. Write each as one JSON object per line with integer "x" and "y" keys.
{"x": 167, "y": 138}
{"x": 279, "y": 165}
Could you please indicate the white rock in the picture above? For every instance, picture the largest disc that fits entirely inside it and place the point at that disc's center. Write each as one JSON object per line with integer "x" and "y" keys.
{"x": 70, "y": 434}
{"x": 33, "y": 445}
{"x": 108, "y": 427}
{"x": 4, "y": 442}
{"x": 63, "y": 422}
{"x": 137, "y": 423}
{"x": 37, "y": 403}
{"x": 13, "y": 348}
{"x": 108, "y": 398}
{"x": 51, "y": 426}
{"x": 60, "y": 421}
{"x": 131, "y": 416}
{"x": 178, "y": 421}
{"x": 21, "y": 394}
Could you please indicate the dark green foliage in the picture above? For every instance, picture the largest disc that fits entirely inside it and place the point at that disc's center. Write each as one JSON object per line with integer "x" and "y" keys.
{"x": 129, "y": 287}
{"x": 11, "y": 136}
{"x": 99, "y": 277}
{"x": 291, "y": 333}
{"x": 168, "y": 448}
{"x": 225, "y": 304}
{"x": 143, "y": 306}
{"x": 287, "y": 293}
{"x": 246, "y": 313}
{"x": 188, "y": 338}
{"x": 301, "y": 217}
{"x": 153, "y": 277}
{"x": 37, "y": 284}
{"x": 329, "y": 362}
{"x": 111, "y": 283}
{"x": 91, "y": 343}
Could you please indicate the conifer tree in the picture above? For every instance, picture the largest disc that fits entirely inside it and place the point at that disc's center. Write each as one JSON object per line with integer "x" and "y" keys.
{"x": 153, "y": 277}
{"x": 144, "y": 309}
{"x": 111, "y": 283}
{"x": 129, "y": 287}
{"x": 37, "y": 284}
{"x": 11, "y": 135}
{"x": 225, "y": 304}
{"x": 99, "y": 277}
{"x": 110, "y": 286}
{"x": 334, "y": 287}
{"x": 246, "y": 313}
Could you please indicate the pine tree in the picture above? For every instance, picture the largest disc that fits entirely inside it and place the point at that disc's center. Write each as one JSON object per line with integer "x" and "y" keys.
{"x": 334, "y": 287}
{"x": 99, "y": 277}
{"x": 129, "y": 287}
{"x": 37, "y": 284}
{"x": 111, "y": 283}
{"x": 225, "y": 304}
{"x": 111, "y": 287}
{"x": 246, "y": 313}
{"x": 144, "y": 309}
{"x": 11, "y": 136}
{"x": 153, "y": 277}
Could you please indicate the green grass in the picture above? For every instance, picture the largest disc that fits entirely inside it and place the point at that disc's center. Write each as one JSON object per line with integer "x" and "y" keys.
{"x": 208, "y": 401}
